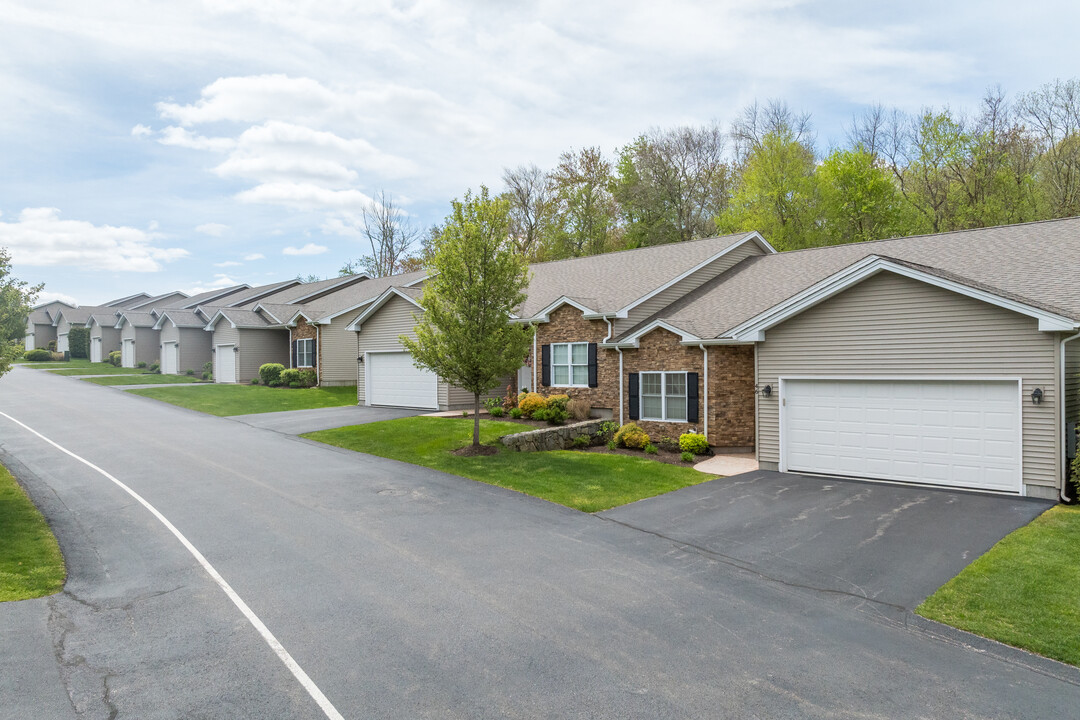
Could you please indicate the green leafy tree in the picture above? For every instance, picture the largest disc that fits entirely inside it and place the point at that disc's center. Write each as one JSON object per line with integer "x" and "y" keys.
{"x": 17, "y": 298}
{"x": 464, "y": 334}
{"x": 859, "y": 200}
{"x": 79, "y": 341}
{"x": 585, "y": 213}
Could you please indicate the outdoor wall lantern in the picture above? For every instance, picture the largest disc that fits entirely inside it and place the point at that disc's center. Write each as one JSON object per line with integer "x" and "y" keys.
{"x": 1036, "y": 395}
{"x": 360, "y": 360}
{"x": 767, "y": 391}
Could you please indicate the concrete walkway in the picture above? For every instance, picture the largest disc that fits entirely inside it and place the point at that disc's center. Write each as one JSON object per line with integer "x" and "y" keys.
{"x": 730, "y": 464}
{"x": 297, "y": 422}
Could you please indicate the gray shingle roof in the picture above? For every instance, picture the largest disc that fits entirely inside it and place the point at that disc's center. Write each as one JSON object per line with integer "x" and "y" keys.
{"x": 104, "y": 319}
{"x": 1020, "y": 262}
{"x": 169, "y": 299}
{"x": 184, "y": 318}
{"x": 245, "y": 318}
{"x": 353, "y": 295}
{"x": 610, "y": 282}
{"x": 138, "y": 319}
{"x": 219, "y": 295}
{"x": 127, "y": 302}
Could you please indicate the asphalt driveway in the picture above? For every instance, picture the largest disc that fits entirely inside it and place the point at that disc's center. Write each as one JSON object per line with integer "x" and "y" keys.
{"x": 403, "y": 592}
{"x": 894, "y": 544}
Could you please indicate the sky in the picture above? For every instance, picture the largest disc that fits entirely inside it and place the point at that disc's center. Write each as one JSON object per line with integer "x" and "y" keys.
{"x": 150, "y": 147}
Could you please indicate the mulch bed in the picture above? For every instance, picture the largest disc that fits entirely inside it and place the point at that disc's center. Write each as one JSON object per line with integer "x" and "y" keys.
{"x": 474, "y": 450}
{"x": 669, "y": 458}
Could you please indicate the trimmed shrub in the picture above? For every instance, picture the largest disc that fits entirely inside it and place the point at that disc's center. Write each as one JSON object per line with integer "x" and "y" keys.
{"x": 558, "y": 401}
{"x": 497, "y": 411}
{"x": 79, "y": 342}
{"x": 668, "y": 445}
{"x": 582, "y": 441}
{"x": 650, "y": 449}
{"x": 579, "y": 409}
{"x": 271, "y": 372}
{"x": 52, "y": 346}
{"x": 289, "y": 376}
{"x": 153, "y": 367}
{"x": 607, "y": 431}
{"x": 308, "y": 378}
{"x": 142, "y": 365}
{"x": 207, "y": 376}
{"x": 694, "y": 443}
{"x": 541, "y": 414}
{"x": 612, "y": 445}
{"x": 687, "y": 457}
{"x": 274, "y": 383}
{"x": 115, "y": 358}
{"x": 632, "y": 436}
{"x": 254, "y": 381}
{"x": 530, "y": 403}
{"x": 557, "y": 415}
{"x": 189, "y": 371}
{"x": 515, "y": 413}
{"x": 37, "y": 355}
{"x": 295, "y": 385}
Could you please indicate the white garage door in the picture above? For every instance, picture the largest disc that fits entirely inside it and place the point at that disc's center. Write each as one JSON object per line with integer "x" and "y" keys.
{"x": 127, "y": 354}
{"x": 393, "y": 380}
{"x": 168, "y": 358}
{"x": 225, "y": 364}
{"x": 62, "y": 343}
{"x": 95, "y": 349}
{"x": 944, "y": 432}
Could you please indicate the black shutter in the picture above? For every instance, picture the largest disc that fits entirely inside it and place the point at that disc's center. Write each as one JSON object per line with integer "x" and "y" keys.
{"x": 293, "y": 363}
{"x": 592, "y": 365}
{"x": 545, "y": 365}
{"x": 634, "y": 397}
{"x": 691, "y": 397}
{"x": 314, "y": 349}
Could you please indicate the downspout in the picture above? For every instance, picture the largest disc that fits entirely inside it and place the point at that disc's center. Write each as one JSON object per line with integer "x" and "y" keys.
{"x": 318, "y": 357}
{"x": 535, "y": 360}
{"x": 1063, "y": 490}
{"x": 705, "y": 351}
{"x": 619, "y": 350}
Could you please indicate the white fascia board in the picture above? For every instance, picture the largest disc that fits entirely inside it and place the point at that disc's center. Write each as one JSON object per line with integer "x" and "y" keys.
{"x": 161, "y": 320}
{"x": 291, "y": 322}
{"x": 545, "y": 314}
{"x": 214, "y": 321}
{"x": 753, "y": 329}
{"x": 752, "y": 237}
{"x": 633, "y": 341}
{"x": 374, "y": 306}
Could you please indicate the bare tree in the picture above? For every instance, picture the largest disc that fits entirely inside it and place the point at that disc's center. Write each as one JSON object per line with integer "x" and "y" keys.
{"x": 532, "y": 202}
{"x": 390, "y": 235}
{"x": 775, "y": 118}
{"x": 869, "y": 129}
{"x": 1054, "y": 113}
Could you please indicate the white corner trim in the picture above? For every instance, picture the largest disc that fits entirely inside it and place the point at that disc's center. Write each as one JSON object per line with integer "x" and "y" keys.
{"x": 754, "y": 236}
{"x": 753, "y": 329}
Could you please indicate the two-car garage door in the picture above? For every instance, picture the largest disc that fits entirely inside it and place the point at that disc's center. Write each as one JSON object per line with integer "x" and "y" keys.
{"x": 393, "y": 380}
{"x": 960, "y": 433}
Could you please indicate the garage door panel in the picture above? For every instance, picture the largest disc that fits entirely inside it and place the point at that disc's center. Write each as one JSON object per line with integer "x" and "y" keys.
{"x": 395, "y": 381}
{"x": 960, "y": 433}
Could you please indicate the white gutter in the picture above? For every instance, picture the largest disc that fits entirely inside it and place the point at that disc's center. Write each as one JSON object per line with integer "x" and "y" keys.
{"x": 619, "y": 350}
{"x": 318, "y": 356}
{"x": 705, "y": 350}
{"x": 536, "y": 360}
{"x": 1063, "y": 489}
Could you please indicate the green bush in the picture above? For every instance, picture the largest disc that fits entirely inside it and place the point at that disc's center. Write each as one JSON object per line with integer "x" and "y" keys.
{"x": 607, "y": 431}
{"x": 114, "y": 358}
{"x": 254, "y": 381}
{"x": 557, "y": 415}
{"x": 289, "y": 376}
{"x": 189, "y": 371}
{"x": 274, "y": 383}
{"x": 632, "y": 436}
{"x": 37, "y": 355}
{"x": 497, "y": 411}
{"x": 296, "y": 385}
{"x": 668, "y": 445}
{"x": 687, "y": 457}
{"x": 271, "y": 372}
{"x": 153, "y": 367}
{"x": 142, "y": 365}
{"x": 650, "y": 449}
{"x": 492, "y": 403}
{"x": 558, "y": 401}
{"x": 207, "y": 376}
{"x": 530, "y": 403}
{"x": 52, "y": 346}
{"x": 308, "y": 378}
{"x": 612, "y": 445}
{"x": 582, "y": 441}
{"x": 694, "y": 443}
{"x": 541, "y": 414}
{"x": 79, "y": 342}
{"x": 516, "y": 413}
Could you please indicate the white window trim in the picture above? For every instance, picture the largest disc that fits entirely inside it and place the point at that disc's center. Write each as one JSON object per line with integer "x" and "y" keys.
{"x": 663, "y": 395}
{"x": 570, "y": 365}
{"x": 309, "y": 352}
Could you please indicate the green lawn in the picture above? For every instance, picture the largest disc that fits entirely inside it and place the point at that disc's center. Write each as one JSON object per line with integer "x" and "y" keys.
{"x": 95, "y": 369}
{"x": 245, "y": 399}
{"x": 584, "y": 481}
{"x": 1024, "y": 592}
{"x": 30, "y": 561}
{"x": 73, "y": 363}
{"x": 143, "y": 379}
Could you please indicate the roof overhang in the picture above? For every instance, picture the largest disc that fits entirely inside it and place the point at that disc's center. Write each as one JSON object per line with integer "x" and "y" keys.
{"x": 634, "y": 340}
{"x": 545, "y": 315}
{"x": 327, "y": 319}
{"x": 374, "y": 305}
{"x": 294, "y": 320}
{"x": 219, "y": 315}
{"x": 753, "y": 330}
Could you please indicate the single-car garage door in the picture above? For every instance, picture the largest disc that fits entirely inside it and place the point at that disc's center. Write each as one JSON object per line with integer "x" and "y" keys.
{"x": 169, "y": 358}
{"x": 393, "y": 380}
{"x": 95, "y": 349}
{"x": 127, "y": 354}
{"x": 961, "y": 433}
{"x": 225, "y": 364}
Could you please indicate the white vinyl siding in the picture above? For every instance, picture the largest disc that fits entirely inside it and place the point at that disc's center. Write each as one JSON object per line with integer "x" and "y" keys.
{"x": 663, "y": 396}
{"x": 570, "y": 364}
{"x": 890, "y": 325}
{"x": 695, "y": 280}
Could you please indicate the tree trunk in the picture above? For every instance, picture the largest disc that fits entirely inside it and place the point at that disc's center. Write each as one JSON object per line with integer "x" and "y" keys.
{"x": 476, "y": 420}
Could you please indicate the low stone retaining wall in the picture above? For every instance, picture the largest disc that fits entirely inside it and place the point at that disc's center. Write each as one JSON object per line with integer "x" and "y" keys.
{"x": 556, "y": 437}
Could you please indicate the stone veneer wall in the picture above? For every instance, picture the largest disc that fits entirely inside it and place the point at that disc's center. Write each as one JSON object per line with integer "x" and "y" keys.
{"x": 557, "y": 437}
{"x": 302, "y": 331}
{"x": 567, "y": 325}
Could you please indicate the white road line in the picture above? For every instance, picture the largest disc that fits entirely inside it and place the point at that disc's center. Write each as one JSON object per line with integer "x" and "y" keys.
{"x": 297, "y": 671}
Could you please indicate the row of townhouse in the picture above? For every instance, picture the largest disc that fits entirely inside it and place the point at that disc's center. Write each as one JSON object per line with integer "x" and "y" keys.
{"x": 944, "y": 359}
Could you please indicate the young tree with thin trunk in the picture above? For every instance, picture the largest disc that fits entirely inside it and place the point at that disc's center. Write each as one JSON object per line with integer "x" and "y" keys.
{"x": 465, "y": 335}
{"x": 16, "y": 300}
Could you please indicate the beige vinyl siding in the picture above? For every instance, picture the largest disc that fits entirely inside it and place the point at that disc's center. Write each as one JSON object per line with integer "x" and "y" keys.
{"x": 224, "y": 334}
{"x": 258, "y": 346}
{"x": 147, "y": 347}
{"x": 194, "y": 347}
{"x": 381, "y": 331}
{"x": 43, "y": 335}
{"x": 695, "y": 280}
{"x": 1072, "y": 381}
{"x": 890, "y": 325}
{"x": 110, "y": 338}
{"x": 337, "y": 358}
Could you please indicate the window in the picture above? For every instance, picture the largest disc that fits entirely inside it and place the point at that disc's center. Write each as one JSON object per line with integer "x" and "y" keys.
{"x": 663, "y": 396}
{"x": 570, "y": 364}
{"x": 303, "y": 352}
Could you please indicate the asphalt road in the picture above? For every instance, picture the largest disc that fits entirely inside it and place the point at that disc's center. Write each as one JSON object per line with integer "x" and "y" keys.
{"x": 408, "y": 593}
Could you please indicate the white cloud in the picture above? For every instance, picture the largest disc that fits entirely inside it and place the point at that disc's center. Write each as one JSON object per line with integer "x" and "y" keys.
{"x": 305, "y": 196}
{"x": 211, "y": 229}
{"x": 181, "y": 137}
{"x": 254, "y": 256}
{"x": 228, "y": 263}
{"x": 219, "y": 282}
{"x": 46, "y": 296}
{"x": 141, "y": 131}
{"x": 309, "y": 249}
{"x": 40, "y": 237}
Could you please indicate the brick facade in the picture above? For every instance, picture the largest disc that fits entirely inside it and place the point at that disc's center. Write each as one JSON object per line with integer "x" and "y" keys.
{"x": 731, "y": 377}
